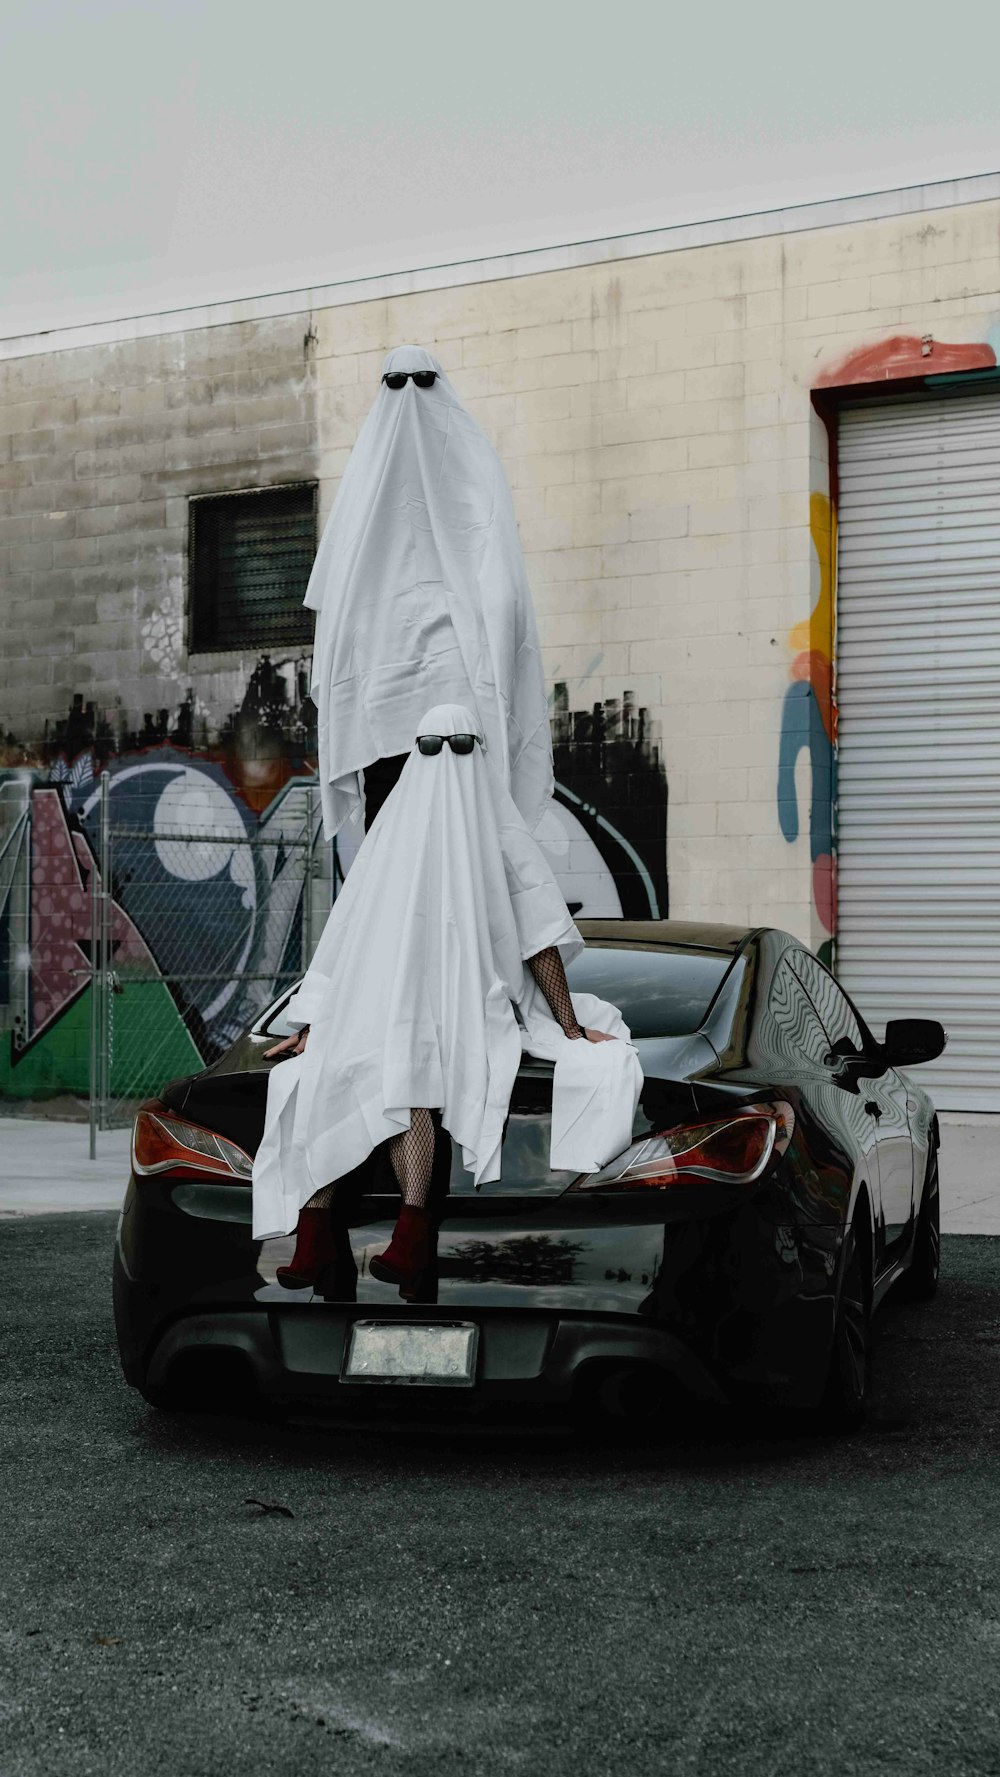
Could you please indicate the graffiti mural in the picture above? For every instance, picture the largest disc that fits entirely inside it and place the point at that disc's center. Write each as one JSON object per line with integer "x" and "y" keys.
{"x": 47, "y": 956}
{"x": 611, "y": 789}
{"x": 218, "y": 877}
{"x": 809, "y": 723}
{"x": 211, "y": 847}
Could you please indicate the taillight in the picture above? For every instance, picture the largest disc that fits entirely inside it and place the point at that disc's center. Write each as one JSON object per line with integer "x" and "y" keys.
{"x": 162, "y": 1142}
{"x": 732, "y": 1150}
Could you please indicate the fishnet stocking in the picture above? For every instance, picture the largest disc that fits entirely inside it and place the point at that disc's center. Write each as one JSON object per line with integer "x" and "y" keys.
{"x": 547, "y": 968}
{"x": 412, "y": 1156}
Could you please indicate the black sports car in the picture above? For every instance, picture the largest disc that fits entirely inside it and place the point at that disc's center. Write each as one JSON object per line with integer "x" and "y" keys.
{"x": 783, "y": 1175}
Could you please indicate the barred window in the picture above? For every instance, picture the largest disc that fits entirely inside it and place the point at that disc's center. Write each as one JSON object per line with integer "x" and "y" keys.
{"x": 250, "y": 554}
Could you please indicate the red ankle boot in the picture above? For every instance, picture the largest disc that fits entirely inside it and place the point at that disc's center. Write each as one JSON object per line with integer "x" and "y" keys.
{"x": 408, "y": 1253}
{"x": 315, "y": 1249}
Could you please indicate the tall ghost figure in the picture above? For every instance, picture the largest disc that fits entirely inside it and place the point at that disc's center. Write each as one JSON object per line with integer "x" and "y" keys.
{"x": 422, "y": 598}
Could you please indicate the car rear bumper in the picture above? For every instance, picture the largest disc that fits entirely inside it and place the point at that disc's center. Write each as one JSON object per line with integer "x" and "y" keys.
{"x": 524, "y": 1357}
{"x": 726, "y": 1308}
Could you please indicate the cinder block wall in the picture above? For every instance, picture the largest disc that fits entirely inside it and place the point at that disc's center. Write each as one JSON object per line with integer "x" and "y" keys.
{"x": 670, "y": 475}
{"x": 672, "y": 483}
{"x": 100, "y": 449}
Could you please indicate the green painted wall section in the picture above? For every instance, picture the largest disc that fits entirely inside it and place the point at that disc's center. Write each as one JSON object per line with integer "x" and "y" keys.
{"x": 151, "y": 1045}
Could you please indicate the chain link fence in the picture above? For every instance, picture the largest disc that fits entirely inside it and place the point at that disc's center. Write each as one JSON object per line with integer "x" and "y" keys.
{"x": 15, "y": 902}
{"x": 197, "y": 921}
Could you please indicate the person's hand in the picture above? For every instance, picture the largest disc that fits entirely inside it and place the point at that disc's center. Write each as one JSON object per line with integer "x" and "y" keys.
{"x": 592, "y": 1036}
{"x": 292, "y": 1045}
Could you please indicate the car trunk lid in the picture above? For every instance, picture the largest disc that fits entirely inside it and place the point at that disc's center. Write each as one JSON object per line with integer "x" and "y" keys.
{"x": 667, "y": 1097}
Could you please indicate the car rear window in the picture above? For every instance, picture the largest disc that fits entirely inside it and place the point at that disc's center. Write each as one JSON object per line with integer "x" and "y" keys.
{"x": 660, "y": 993}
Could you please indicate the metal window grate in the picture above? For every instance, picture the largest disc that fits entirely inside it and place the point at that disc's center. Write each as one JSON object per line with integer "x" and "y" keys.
{"x": 250, "y": 555}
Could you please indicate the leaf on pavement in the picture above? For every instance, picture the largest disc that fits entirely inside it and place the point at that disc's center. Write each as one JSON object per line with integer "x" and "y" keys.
{"x": 270, "y": 1506}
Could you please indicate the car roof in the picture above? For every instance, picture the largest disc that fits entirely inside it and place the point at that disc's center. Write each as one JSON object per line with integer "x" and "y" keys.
{"x": 672, "y": 934}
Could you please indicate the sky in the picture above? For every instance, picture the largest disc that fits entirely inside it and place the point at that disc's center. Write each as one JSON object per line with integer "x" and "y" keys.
{"x": 163, "y": 155}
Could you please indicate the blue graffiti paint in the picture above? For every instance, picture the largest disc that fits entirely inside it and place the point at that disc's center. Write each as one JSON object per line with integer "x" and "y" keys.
{"x": 802, "y": 726}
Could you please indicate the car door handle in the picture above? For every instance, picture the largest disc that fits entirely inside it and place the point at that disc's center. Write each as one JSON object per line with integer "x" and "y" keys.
{"x": 873, "y": 1109}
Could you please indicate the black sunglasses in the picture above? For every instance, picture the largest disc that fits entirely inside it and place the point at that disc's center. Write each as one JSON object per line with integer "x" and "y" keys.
{"x": 397, "y": 379}
{"x": 459, "y": 743}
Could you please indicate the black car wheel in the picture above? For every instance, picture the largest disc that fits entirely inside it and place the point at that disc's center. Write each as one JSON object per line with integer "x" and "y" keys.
{"x": 921, "y": 1279}
{"x": 848, "y": 1387}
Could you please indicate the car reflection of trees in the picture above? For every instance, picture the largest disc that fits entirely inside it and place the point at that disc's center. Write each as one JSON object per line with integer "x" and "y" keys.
{"x": 526, "y": 1259}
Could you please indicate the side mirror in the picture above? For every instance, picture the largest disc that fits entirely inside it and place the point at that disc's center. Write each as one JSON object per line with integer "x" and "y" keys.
{"x": 909, "y": 1041}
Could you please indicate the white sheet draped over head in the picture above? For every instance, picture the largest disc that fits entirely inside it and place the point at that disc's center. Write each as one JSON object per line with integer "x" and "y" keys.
{"x": 422, "y": 596}
{"x": 409, "y": 997}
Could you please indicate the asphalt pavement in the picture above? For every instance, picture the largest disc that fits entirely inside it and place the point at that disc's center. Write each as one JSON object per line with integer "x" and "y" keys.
{"x": 729, "y": 1599}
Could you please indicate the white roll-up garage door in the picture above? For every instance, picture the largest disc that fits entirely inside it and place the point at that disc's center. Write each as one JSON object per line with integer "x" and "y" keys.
{"x": 918, "y": 685}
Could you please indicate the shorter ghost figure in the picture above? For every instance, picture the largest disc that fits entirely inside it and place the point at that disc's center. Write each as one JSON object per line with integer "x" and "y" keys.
{"x": 449, "y": 918}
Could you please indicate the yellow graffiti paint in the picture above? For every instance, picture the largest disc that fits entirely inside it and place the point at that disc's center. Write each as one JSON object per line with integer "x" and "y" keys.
{"x": 815, "y": 635}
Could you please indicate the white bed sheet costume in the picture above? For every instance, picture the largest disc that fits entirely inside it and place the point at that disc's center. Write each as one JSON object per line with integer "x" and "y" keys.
{"x": 410, "y": 997}
{"x": 422, "y": 598}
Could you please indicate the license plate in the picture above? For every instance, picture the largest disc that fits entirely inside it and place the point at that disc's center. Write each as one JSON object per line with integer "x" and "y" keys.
{"x": 411, "y": 1354}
